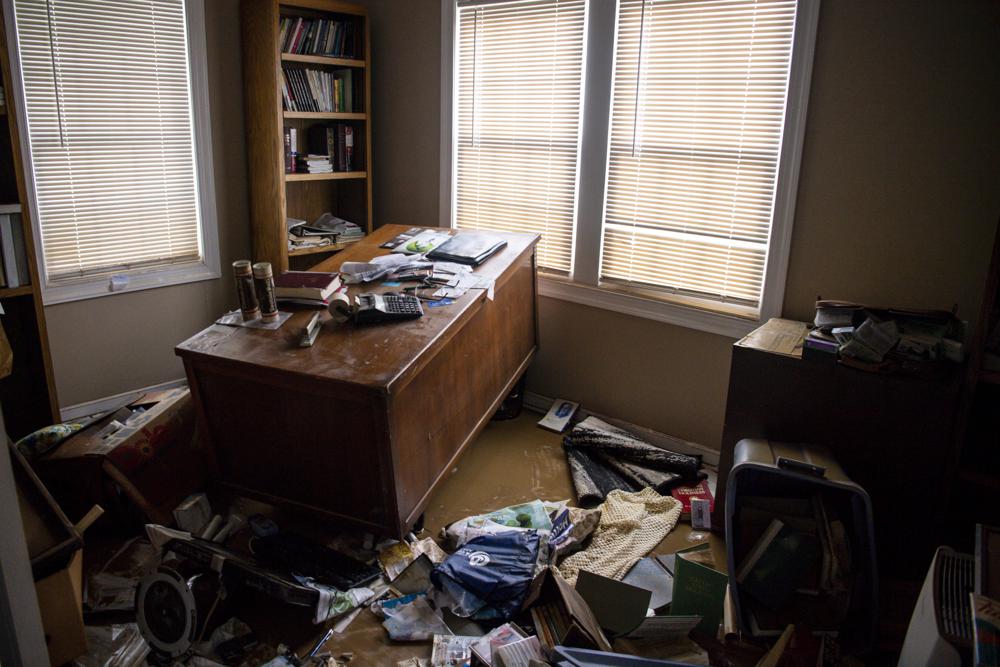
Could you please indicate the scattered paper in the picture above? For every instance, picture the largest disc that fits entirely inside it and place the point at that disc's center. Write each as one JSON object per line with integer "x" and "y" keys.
{"x": 413, "y": 621}
{"x": 558, "y": 415}
{"x": 484, "y": 646}
{"x": 517, "y": 654}
{"x": 451, "y": 651}
{"x": 395, "y": 558}
{"x": 778, "y": 336}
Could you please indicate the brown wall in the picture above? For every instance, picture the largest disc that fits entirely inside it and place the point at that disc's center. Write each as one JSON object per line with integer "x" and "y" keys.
{"x": 897, "y": 204}
{"x": 115, "y": 344}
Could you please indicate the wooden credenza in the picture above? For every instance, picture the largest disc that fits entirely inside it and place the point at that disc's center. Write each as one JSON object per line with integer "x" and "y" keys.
{"x": 362, "y": 426}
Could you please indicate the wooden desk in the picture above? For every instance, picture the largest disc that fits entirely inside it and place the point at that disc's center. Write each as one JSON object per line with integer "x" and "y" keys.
{"x": 364, "y": 425}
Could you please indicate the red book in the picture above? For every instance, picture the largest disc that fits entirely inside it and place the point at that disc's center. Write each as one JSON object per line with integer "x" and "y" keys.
{"x": 305, "y": 285}
{"x": 686, "y": 493}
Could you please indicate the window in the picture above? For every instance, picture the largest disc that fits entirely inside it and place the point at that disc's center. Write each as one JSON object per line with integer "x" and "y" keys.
{"x": 119, "y": 166}
{"x": 683, "y": 186}
{"x": 520, "y": 69}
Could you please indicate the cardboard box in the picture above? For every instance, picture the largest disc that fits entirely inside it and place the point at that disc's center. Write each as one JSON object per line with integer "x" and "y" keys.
{"x": 60, "y": 600}
{"x": 138, "y": 463}
{"x": 54, "y": 547}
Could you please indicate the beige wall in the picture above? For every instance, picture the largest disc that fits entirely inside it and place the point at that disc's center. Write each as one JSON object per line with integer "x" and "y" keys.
{"x": 123, "y": 342}
{"x": 897, "y": 204}
{"x": 406, "y": 122}
{"x": 899, "y": 197}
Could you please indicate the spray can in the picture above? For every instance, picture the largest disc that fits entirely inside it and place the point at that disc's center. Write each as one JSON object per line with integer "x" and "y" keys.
{"x": 263, "y": 280}
{"x": 245, "y": 290}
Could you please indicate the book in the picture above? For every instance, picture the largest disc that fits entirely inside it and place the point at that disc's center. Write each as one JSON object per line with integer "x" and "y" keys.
{"x": 423, "y": 242}
{"x": 337, "y": 142}
{"x": 306, "y": 284}
{"x": 8, "y": 250}
{"x": 685, "y": 493}
{"x": 699, "y": 589}
{"x": 20, "y": 250}
{"x": 472, "y": 248}
{"x": 780, "y": 560}
{"x": 986, "y": 630}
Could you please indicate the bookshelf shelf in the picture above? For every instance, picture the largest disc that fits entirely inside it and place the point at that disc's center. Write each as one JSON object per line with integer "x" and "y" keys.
{"x": 323, "y": 60}
{"x": 321, "y": 115}
{"x": 335, "y": 247}
{"x": 273, "y": 133}
{"x": 8, "y": 292}
{"x": 335, "y": 176}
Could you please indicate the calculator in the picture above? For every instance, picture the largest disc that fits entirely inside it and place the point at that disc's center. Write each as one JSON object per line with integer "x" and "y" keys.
{"x": 374, "y": 308}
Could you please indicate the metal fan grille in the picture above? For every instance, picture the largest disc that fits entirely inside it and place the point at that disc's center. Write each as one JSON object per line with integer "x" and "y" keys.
{"x": 955, "y": 580}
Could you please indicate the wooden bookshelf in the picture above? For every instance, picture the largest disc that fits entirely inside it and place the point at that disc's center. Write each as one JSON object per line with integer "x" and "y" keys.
{"x": 274, "y": 194}
{"x": 300, "y": 252}
{"x": 28, "y": 394}
{"x": 337, "y": 175}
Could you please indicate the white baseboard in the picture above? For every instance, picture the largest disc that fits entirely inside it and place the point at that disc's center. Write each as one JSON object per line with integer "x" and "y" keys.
{"x": 109, "y": 402}
{"x": 541, "y": 404}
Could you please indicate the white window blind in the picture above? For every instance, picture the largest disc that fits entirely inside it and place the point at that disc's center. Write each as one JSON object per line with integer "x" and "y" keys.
{"x": 108, "y": 104}
{"x": 697, "y": 114}
{"x": 519, "y": 69}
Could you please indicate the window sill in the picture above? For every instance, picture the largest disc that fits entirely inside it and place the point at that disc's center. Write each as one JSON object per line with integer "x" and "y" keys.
{"x": 141, "y": 280}
{"x": 651, "y": 309}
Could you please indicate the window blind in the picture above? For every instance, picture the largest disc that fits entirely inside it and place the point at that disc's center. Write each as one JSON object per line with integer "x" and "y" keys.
{"x": 697, "y": 115}
{"x": 108, "y": 105}
{"x": 520, "y": 68}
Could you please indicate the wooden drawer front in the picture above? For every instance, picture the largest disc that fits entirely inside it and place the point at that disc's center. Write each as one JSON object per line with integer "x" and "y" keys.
{"x": 299, "y": 445}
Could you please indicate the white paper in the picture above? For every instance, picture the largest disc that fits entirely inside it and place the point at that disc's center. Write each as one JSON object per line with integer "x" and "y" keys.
{"x": 517, "y": 654}
{"x": 558, "y": 415}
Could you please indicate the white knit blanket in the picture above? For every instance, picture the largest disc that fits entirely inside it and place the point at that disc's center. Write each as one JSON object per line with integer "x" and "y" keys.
{"x": 631, "y": 525}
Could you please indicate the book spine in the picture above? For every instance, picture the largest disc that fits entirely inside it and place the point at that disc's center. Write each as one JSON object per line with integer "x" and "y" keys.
{"x": 293, "y": 147}
{"x": 341, "y": 161}
{"x": 287, "y": 137}
{"x": 348, "y": 148}
{"x": 296, "y": 36}
{"x": 7, "y": 248}
{"x": 331, "y": 38}
{"x": 282, "y": 33}
{"x": 331, "y": 146}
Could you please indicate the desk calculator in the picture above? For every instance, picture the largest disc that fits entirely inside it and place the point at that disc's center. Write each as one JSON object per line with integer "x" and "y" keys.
{"x": 374, "y": 308}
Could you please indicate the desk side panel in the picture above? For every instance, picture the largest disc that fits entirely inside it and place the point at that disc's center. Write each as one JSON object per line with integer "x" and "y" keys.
{"x": 445, "y": 406}
{"x": 298, "y": 443}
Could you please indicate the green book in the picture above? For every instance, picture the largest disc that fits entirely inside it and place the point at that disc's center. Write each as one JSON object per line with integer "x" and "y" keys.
{"x": 699, "y": 590}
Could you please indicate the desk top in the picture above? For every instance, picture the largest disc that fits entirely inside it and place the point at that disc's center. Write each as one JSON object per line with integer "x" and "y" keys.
{"x": 374, "y": 356}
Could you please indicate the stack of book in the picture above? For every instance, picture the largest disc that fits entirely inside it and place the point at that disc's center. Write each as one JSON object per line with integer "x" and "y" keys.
{"x": 311, "y": 288}
{"x": 336, "y": 141}
{"x": 317, "y": 90}
{"x": 313, "y": 164}
{"x": 318, "y": 37}
{"x": 326, "y": 230}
